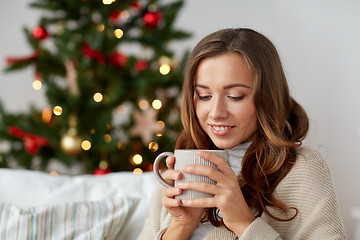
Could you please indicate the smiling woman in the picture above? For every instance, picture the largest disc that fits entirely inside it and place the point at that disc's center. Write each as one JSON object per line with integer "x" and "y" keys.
{"x": 223, "y": 103}
{"x": 236, "y": 97}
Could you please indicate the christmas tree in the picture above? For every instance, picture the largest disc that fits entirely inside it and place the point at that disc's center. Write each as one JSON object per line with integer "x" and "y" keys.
{"x": 111, "y": 80}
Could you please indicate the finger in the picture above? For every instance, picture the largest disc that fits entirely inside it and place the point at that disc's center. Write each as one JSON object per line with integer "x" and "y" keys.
{"x": 171, "y": 174}
{"x": 199, "y": 202}
{"x": 171, "y": 202}
{"x": 199, "y": 186}
{"x": 220, "y": 162}
{"x": 170, "y": 161}
{"x": 171, "y": 192}
{"x": 206, "y": 171}
{"x": 168, "y": 199}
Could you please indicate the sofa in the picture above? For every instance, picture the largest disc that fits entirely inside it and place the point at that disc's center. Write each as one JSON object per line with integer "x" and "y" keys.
{"x": 38, "y": 205}
{"x": 31, "y": 200}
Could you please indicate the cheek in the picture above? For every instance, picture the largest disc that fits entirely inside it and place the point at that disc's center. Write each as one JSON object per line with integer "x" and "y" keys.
{"x": 253, "y": 121}
{"x": 248, "y": 116}
{"x": 200, "y": 110}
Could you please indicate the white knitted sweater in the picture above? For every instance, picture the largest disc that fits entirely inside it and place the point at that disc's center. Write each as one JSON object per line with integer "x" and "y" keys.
{"x": 307, "y": 187}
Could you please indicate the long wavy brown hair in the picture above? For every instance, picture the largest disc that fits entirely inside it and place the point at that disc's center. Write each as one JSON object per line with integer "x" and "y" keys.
{"x": 283, "y": 123}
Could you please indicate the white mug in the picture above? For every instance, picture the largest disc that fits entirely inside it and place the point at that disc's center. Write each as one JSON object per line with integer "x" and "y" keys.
{"x": 185, "y": 157}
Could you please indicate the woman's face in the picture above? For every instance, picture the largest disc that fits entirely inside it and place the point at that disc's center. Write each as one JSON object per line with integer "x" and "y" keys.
{"x": 223, "y": 100}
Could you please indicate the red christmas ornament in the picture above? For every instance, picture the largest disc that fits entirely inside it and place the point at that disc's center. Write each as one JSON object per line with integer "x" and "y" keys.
{"x": 136, "y": 6}
{"x": 99, "y": 171}
{"x": 31, "y": 145}
{"x": 141, "y": 65}
{"x": 40, "y": 33}
{"x": 114, "y": 16}
{"x": 14, "y": 60}
{"x": 16, "y": 132}
{"x": 118, "y": 59}
{"x": 149, "y": 167}
{"x": 37, "y": 76}
{"x": 32, "y": 142}
{"x": 92, "y": 53}
{"x": 152, "y": 19}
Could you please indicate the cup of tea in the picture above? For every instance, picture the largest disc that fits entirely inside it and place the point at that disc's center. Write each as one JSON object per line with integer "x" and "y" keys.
{"x": 185, "y": 157}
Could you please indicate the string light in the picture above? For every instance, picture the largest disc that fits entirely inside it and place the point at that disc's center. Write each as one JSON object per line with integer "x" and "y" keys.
{"x": 57, "y": 110}
{"x": 164, "y": 69}
{"x": 157, "y": 104}
{"x": 103, "y": 164}
{"x": 122, "y": 109}
{"x": 143, "y": 104}
{"x": 153, "y": 146}
{"x": 46, "y": 115}
{"x": 100, "y": 27}
{"x": 138, "y": 171}
{"x": 160, "y": 123}
{"x": 55, "y": 173}
{"x": 86, "y": 145}
{"x": 137, "y": 159}
{"x": 37, "y": 84}
{"x": 118, "y": 33}
{"x": 120, "y": 146}
{"x": 98, "y": 97}
{"x": 125, "y": 14}
{"x": 107, "y": 138}
{"x": 107, "y": 2}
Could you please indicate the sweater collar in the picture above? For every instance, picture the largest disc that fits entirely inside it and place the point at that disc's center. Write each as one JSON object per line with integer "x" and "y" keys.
{"x": 235, "y": 156}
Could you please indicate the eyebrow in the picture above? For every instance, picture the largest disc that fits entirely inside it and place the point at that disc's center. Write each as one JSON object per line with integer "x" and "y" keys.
{"x": 226, "y": 87}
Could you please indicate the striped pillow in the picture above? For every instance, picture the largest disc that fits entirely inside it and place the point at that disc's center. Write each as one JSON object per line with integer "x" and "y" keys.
{"x": 80, "y": 220}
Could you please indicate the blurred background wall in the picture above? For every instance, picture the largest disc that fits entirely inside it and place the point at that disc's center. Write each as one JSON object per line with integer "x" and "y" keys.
{"x": 318, "y": 41}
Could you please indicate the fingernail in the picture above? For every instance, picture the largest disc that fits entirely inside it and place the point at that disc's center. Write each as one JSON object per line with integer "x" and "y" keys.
{"x": 180, "y": 184}
{"x": 185, "y": 201}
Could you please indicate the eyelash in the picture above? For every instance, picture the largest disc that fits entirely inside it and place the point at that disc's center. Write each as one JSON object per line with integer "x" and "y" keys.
{"x": 236, "y": 98}
{"x": 204, "y": 98}
{"x": 207, "y": 97}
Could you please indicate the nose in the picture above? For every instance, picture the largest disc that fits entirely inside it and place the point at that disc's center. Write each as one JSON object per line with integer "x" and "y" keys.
{"x": 218, "y": 109}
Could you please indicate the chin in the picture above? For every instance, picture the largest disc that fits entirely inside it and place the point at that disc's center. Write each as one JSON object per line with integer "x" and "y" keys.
{"x": 223, "y": 145}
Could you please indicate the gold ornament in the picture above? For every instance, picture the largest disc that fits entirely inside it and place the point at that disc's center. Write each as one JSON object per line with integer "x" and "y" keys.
{"x": 71, "y": 142}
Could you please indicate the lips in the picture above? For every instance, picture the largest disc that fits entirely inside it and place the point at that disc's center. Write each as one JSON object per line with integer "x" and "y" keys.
{"x": 217, "y": 128}
{"x": 220, "y": 130}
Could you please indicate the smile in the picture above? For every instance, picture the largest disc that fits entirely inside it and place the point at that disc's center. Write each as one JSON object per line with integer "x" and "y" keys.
{"x": 220, "y": 130}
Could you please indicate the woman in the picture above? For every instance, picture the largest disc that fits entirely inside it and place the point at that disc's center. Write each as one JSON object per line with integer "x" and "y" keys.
{"x": 236, "y": 97}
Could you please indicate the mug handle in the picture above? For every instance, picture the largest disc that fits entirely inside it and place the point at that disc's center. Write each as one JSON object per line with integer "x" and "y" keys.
{"x": 156, "y": 167}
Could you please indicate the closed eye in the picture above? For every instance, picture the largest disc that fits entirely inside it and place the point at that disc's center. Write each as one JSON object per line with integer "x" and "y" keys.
{"x": 236, "y": 98}
{"x": 204, "y": 98}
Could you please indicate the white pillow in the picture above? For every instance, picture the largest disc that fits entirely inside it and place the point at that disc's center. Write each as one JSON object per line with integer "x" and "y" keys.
{"x": 28, "y": 188}
{"x": 73, "y": 220}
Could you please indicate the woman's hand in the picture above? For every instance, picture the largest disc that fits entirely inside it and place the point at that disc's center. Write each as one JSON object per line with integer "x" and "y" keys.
{"x": 228, "y": 197}
{"x": 185, "y": 219}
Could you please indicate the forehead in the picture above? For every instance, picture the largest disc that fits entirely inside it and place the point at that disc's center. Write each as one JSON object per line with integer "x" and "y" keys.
{"x": 225, "y": 69}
